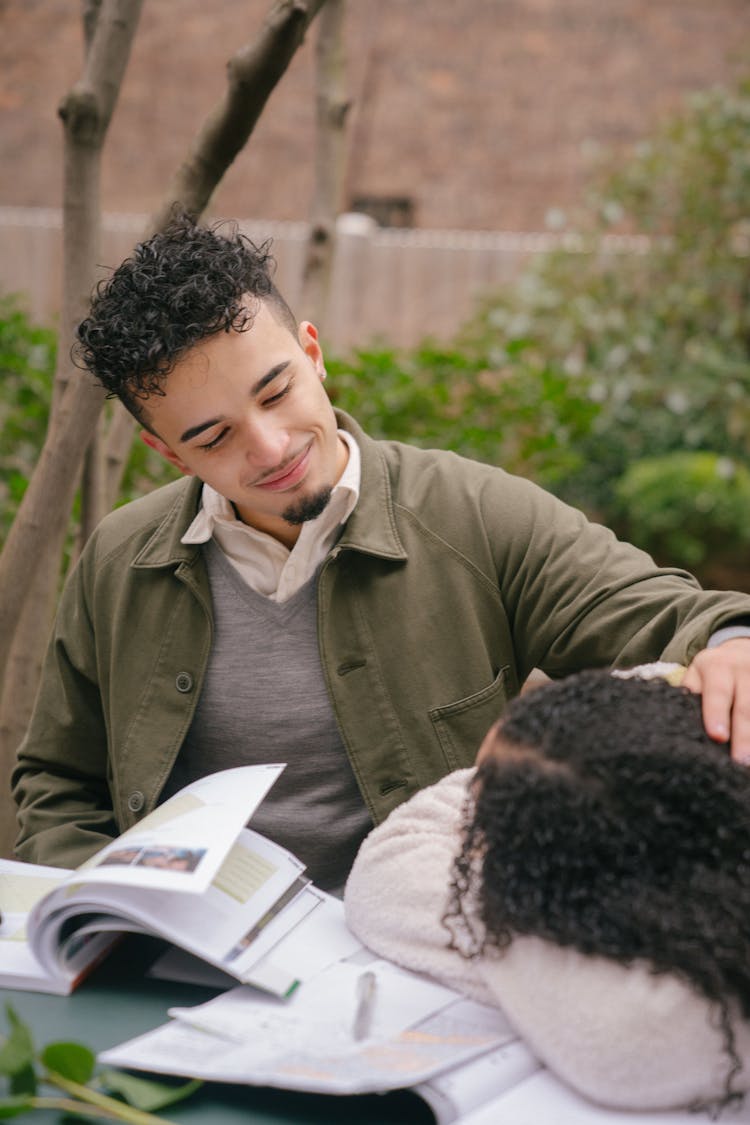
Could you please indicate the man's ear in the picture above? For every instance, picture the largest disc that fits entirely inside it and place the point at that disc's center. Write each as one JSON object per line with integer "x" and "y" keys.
{"x": 308, "y": 338}
{"x": 154, "y": 442}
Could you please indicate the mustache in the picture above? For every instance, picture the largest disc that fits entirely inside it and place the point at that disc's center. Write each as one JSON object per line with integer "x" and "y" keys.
{"x": 281, "y": 469}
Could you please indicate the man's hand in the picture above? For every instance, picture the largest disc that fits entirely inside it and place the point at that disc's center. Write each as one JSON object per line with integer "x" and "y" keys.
{"x": 722, "y": 676}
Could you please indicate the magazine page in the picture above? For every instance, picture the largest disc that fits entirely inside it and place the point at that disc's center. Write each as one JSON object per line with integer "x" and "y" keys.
{"x": 218, "y": 924}
{"x": 308, "y": 1042}
{"x": 316, "y": 940}
{"x": 456, "y": 1092}
{"x": 321, "y": 939}
{"x": 21, "y": 887}
{"x": 542, "y": 1097}
{"x": 181, "y": 845}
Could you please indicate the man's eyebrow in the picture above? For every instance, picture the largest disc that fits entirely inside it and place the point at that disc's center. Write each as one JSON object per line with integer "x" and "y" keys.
{"x": 194, "y": 431}
{"x": 269, "y": 377}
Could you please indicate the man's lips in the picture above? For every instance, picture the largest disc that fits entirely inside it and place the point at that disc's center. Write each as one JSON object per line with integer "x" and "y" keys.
{"x": 289, "y": 475}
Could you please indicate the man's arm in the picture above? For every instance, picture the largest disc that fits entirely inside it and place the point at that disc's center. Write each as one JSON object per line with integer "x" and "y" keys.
{"x": 581, "y": 598}
{"x": 60, "y": 780}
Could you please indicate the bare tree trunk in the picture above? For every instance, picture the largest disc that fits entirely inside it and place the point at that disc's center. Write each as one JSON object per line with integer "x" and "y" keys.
{"x": 330, "y": 162}
{"x": 87, "y": 121}
{"x": 366, "y": 98}
{"x": 117, "y": 446}
{"x": 252, "y": 74}
{"x": 94, "y": 496}
{"x": 91, "y": 9}
{"x": 40, "y": 526}
{"x": 30, "y": 563}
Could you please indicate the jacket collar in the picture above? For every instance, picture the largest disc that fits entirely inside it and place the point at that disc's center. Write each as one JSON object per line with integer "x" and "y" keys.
{"x": 372, "y": 525}
{"x": 164, "y": 547}
{"x": 371, "y": 528}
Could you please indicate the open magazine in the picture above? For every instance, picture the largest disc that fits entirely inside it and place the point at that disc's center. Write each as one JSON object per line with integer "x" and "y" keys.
{"x": 189, "y": 872}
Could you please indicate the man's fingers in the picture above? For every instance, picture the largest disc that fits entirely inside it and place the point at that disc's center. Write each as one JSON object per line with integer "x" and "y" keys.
{"x": 722, "y": 676}
{"x": 717, "y": 693}
{"x": 717, "y": 710}
{"x": 692, "y": 679}
{"x": 741, "y": 730}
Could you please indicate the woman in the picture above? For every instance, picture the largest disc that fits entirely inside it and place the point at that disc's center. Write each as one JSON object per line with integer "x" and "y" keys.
{"x": 592, "y": 877}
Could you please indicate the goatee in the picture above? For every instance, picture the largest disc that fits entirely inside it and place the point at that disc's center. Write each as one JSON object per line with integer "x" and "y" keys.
{"x": 307, "y": 507}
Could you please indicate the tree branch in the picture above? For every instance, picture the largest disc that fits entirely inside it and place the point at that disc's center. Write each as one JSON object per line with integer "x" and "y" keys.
{"x": 43, "y": 515}
{"x": 330, "y": 161}
{"x": 91, "y": 9}
{"x": 85, "y": 113}
{"x": 252, "y": 74}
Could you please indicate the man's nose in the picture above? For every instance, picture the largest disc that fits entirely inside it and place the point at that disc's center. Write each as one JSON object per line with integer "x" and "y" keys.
{"x": 267, "y": 443}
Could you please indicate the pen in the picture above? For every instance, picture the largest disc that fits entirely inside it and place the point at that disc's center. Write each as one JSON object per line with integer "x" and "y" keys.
{"x": 366, "y": 990}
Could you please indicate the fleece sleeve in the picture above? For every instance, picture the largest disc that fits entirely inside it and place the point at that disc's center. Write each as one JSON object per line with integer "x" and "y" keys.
{"x": 397, "y": 891}
{"x": 622, "y": 1035}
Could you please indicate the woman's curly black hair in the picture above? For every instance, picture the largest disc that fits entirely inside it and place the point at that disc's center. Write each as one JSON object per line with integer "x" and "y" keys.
{"x": 608, "y": 821}
{"x": 183, "y": 284}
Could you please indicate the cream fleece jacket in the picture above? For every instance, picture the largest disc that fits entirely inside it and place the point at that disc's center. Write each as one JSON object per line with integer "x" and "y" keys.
{"x": 624, "y": 1037}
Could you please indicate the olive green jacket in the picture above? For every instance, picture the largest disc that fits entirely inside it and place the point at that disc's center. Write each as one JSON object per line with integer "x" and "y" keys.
{"x": 450, "y": 582}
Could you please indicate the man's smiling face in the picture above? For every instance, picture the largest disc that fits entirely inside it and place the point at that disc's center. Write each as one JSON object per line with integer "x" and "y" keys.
{"x": 246, "y": 412}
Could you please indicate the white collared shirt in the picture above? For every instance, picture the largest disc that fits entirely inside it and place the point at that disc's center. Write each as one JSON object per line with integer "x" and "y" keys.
{"x": 264, "y": 563}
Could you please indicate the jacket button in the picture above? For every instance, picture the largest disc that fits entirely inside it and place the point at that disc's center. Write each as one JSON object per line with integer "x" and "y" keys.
{"x": 184, "y": 682}
{"x": 136, "y": 801}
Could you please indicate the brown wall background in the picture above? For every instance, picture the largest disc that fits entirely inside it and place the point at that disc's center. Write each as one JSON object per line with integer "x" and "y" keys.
{"x": 484, "y": 113}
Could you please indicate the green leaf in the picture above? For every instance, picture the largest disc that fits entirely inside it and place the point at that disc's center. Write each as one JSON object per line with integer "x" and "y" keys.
{"x": 144, "y": 1093}
{"x": 24, "y": 1081}
{"x": 71, "y": 1060}
{"x": 17, "y": 1051}
{"x": 12, "y": 1107}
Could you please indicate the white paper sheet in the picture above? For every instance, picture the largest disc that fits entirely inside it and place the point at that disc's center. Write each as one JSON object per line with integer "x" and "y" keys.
{"x": 542, "y": 1098}
{"x": 307, "y": 1042}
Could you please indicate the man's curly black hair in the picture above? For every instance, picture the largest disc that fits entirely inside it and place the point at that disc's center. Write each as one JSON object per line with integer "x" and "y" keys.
{"x": 185, "y": 283}
{"x": 608, "y": 821}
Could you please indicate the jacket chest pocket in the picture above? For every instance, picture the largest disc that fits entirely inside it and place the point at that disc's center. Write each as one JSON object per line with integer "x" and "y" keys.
{"x": 461, "y": 726}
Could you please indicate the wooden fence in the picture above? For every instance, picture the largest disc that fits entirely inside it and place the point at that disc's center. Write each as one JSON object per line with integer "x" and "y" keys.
{"x": 389, "y": 284}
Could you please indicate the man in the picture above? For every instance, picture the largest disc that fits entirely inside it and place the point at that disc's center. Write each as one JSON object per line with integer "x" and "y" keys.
{"x": 360, "y": 610}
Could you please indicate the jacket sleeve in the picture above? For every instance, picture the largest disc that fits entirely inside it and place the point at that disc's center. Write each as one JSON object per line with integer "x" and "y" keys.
{"x": 576, "y": 596}
{"x": 60, "y": 781}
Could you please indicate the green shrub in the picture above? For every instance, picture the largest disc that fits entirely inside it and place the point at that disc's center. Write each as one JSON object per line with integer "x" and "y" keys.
{"x": 27, "y": 364}
{"x": 688, "y": 506}
{"x": 514, "y": 412}
{"x": 658, "y": 342}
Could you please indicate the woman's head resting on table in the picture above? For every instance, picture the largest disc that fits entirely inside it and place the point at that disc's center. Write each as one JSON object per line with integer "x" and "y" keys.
{"x": 604, "y": 819}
